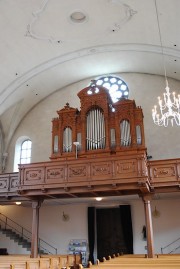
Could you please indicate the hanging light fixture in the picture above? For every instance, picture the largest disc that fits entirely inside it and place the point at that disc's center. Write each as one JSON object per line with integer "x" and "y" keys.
{"x": 169, "y": 106}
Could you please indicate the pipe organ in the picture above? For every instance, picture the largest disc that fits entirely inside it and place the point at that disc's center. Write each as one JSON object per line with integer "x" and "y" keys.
{"x": 101, "y": 127}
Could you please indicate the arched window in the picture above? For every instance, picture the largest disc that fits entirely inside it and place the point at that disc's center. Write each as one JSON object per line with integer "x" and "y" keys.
{"x": 23, "y": 150}
{"x": 26, "y": 151}
{"x": 117, "y": 87}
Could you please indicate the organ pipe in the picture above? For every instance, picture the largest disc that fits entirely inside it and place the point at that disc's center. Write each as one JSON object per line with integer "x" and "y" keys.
{"x": 125, "y": 133}
{"x": 95, "y": 136}
{"x": 67, "y": 140}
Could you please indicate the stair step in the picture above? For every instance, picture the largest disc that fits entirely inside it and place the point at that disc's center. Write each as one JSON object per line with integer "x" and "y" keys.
{"x": 20, "y": 240}
{"x": 26, "y": 245}
{"x": 14, "y": 236}
{"x": 6, "y": 231}
{"x": 24, "y": 242}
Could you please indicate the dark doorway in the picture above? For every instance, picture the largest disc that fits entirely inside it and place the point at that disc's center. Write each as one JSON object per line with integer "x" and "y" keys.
{"x": 110, "y": 236}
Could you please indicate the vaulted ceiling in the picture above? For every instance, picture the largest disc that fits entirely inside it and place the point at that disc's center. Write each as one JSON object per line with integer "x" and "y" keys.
{"x": 48, "y": 44}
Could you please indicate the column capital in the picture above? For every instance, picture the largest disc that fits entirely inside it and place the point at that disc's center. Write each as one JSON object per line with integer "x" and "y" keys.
{"x": 36, "y": 204}
{"x": 147, "y": 197}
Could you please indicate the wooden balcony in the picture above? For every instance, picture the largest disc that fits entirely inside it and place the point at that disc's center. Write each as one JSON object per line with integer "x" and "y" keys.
{"x": 164, "y": 175}
{"x": 9, "y": 183}
{"x": 105, "y": 176}
{"x": 110, "y": 175}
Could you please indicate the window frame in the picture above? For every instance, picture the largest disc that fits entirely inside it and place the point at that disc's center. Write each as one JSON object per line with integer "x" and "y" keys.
{"x": 118, "y": 82}
{"x": 17, "y": 154}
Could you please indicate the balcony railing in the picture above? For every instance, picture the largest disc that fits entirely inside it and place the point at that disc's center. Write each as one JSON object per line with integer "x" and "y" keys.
{"x": 131, "y": 173}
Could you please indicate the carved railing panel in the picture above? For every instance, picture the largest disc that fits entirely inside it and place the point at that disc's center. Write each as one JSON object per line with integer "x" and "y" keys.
{"x": 164, "y": 171}
{"x": 114, "y": 171}
{"x": 86, "y": 172}
{"x": 9, "y": 183}
{"x": 4, "y": 184}
{"x": 77, "y": 173}
{"x": 54, "y": 173}
{"x": 32, "y": 175}
{"x": 127, "y": 168}
{"x": 102, "y": 170}
{"x": 14, "y": 182}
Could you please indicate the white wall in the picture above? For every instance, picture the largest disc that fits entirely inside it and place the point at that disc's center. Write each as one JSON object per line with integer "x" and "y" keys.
{"x": 161, "y": 142}
{"x": 58, "y": 232}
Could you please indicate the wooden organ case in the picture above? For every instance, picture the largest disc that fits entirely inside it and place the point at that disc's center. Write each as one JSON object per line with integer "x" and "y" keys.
{"x": 100, "y": 128}
{"x": 97, "y": 150}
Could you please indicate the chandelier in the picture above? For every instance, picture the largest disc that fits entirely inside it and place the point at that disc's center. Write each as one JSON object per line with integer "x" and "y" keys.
{"x": 168, "y": 110}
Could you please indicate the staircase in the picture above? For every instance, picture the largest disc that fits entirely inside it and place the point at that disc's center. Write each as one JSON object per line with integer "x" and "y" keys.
{"x": 172, "y": 248}
{"x": 17, "y": 238}
{"x": 22, "y": 236}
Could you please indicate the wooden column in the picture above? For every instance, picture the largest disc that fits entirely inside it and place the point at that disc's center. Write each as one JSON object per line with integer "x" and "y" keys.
{"x": 35, "y": 229}
{"x": 149, "y": 229}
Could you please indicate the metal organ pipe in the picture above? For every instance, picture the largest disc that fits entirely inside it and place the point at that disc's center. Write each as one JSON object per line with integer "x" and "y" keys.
{"x": 67, "y": 140}
{"x": 87, "y": 140}
{"x": 138, "y": 135}
{"x": 100, "y": 131}
{"x": 98, "y": 128}
{"x": 128, "y": 137}
{"x": 122, "y": 133}
{"x": 125, "y": 133}
{"x": 95, "y": 130}
{"x": 103, "y": 132}
{"x": 93, "y": 127}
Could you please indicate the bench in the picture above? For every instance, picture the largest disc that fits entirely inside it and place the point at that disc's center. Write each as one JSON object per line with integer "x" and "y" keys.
{"x": 137, "y": 262}
{"x": 43, "y": 262}
{"x": 15, "y": 265}
{"x": 70, "y": 260}
{"x": 25, "y": 262}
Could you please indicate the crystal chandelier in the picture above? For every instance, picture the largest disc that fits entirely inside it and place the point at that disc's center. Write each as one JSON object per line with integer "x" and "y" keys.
{"x": 169, "y": 106}
{"x": 169, "y": 109}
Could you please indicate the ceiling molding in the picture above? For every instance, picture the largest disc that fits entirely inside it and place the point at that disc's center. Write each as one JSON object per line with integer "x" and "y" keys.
{"x": 14, "y": 85}
{"x": 125, "y": 14}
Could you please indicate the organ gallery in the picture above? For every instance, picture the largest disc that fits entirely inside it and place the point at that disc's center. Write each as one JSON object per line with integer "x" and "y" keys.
{"x": 98, "y": 150}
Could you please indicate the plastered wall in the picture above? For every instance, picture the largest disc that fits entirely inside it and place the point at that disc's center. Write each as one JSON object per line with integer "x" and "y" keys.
{"x": 161, "y": 142}
{"x": 58, "y": 232}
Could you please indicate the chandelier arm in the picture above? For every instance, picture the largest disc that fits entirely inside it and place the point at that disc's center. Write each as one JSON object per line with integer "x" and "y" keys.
{"x": 169, "y": 105}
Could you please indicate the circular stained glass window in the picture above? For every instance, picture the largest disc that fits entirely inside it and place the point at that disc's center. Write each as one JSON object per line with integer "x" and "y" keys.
{"x": 118, "y": 89}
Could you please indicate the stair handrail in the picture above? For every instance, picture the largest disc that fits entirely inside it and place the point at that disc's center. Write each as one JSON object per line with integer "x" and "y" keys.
{"x": 41, "y": 240}
{"x": 23, "y": 234}
{"x": 174, "y": 249}
{"x": 162, "y": 248}
{"x": 45, "y": 249}
{"x": 22, "y": 228}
